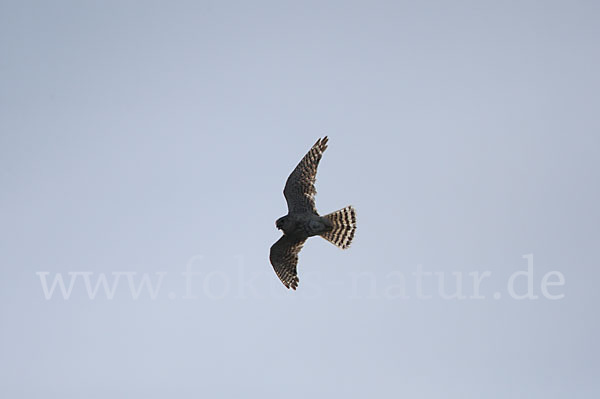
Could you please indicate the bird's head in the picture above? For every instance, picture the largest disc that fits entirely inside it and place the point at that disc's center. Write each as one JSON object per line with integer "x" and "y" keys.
{"x": 281, "y": 222}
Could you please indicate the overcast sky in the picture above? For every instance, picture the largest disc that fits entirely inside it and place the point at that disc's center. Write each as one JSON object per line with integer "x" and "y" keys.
{"x": 147, "y": 138}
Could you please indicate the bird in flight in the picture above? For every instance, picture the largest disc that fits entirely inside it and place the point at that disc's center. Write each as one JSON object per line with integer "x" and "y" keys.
{"x": 303, "y": 220}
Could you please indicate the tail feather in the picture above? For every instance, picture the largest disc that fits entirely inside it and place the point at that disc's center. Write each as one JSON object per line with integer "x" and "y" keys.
{"x": 344, "y": 226}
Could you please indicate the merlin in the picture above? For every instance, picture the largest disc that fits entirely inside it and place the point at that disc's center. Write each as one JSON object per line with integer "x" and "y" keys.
{"x": 303, "y": 220}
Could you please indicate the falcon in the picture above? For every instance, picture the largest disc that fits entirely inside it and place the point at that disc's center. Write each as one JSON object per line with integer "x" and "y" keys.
{"x": 303, "y": 220}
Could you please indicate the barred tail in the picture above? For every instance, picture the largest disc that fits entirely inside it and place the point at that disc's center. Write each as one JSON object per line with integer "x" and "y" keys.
{"x": 344, "y": 226}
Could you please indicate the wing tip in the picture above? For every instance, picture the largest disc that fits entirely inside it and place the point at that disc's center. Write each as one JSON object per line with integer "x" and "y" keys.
{"x": 291, "y": 284}
{"x": 322, "y": 143}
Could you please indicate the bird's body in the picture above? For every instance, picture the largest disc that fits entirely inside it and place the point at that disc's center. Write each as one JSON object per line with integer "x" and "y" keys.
{"x": 303, "y": 225}
{"x": 303, "y": 220}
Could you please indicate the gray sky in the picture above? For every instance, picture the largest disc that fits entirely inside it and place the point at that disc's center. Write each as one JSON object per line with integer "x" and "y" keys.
{"x": 139, "y": 137}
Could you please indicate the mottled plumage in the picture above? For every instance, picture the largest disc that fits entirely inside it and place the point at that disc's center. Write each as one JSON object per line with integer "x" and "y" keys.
{"x": 303, "y": 220}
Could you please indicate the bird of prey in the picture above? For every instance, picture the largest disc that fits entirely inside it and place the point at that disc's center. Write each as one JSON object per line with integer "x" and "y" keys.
{"x": 303, "y": 221}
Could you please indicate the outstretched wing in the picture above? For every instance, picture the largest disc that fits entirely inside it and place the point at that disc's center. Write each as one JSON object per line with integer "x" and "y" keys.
{"x": 299, "y": 188}
{"x": 284, "y": 258}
